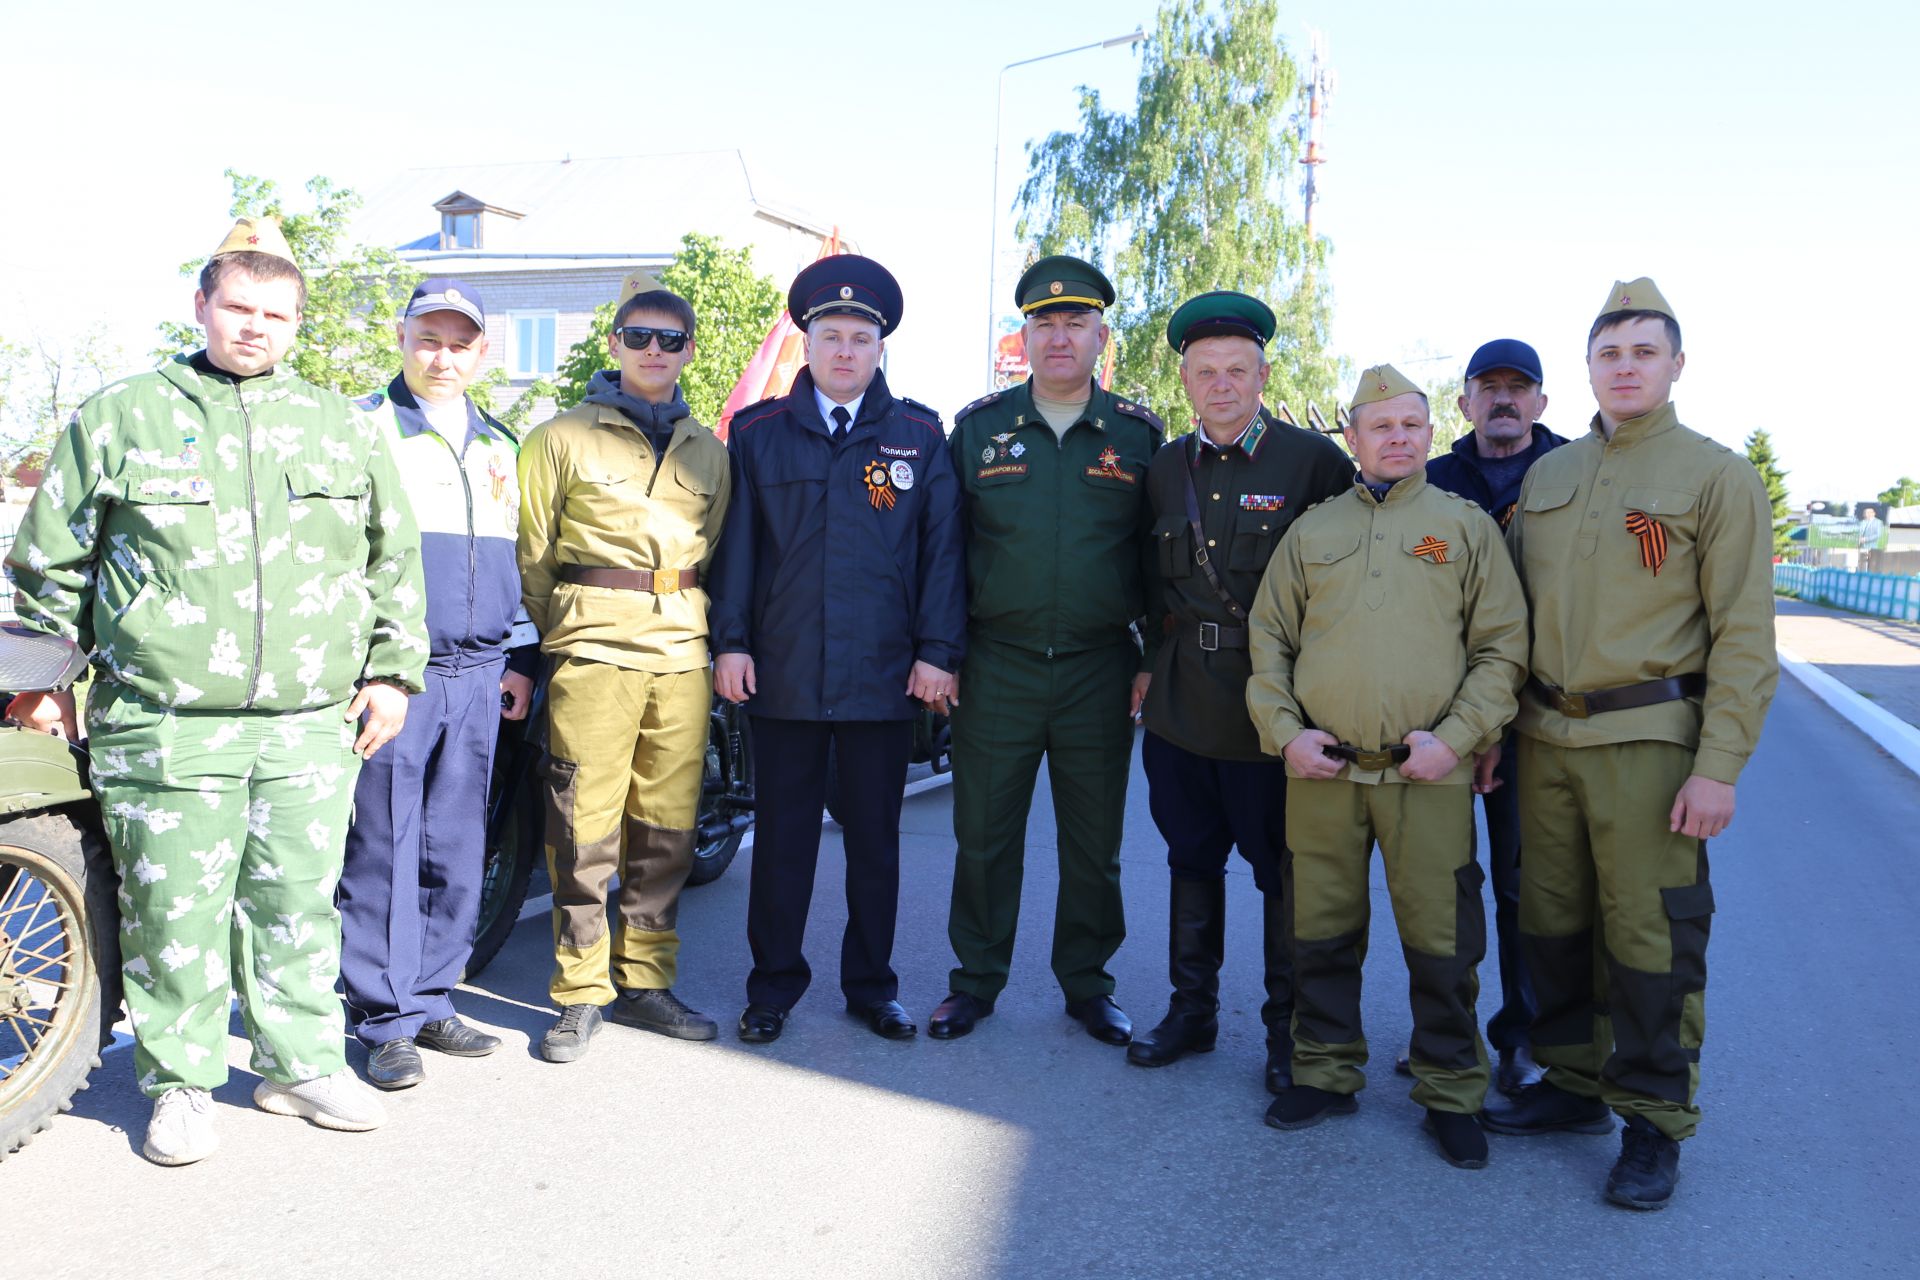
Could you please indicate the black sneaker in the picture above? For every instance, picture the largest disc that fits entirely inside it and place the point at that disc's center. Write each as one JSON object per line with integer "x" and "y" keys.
{"x": 1463, "y": 1144}
{"x": 1546, "y": 1108}
{"x": 662, "y": 1012}
{"x": 1302, "y": 1106}
{"x": 567, "y": 1038}
{"x": 1648, "y": 1166}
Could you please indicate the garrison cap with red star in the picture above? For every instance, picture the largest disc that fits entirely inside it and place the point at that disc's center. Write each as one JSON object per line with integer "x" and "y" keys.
{"x": 257, "y": 235}
{"x": 846, "y": 284}
{"x": 1382, "y": 382}
{"x": 1637, "y": 295}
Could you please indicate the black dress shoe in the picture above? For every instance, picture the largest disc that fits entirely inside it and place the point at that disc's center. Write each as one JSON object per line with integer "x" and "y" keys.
{"x": 1648, "y": 1166}
{"x": 660, "y": 1011}
{"x": 1546, "y": 1108}
{"x": 885, "y": 1018}
{"x": 395, "y": 1065}
{"x": 1517, "y": 1070}
{"x": 1179, "y": 1034}
{"x": 1463, "y": 1143}
{"x": 452, "y": 1036}
{"x": 955, "y": 1016}
{"x": 1302, "y": 1106}
{"x": 762, "y": 1024}
{"x": 1104, "y": 1020}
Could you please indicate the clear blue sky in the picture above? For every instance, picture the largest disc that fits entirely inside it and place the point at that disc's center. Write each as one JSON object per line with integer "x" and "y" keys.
{"x": 1493, "y": 167}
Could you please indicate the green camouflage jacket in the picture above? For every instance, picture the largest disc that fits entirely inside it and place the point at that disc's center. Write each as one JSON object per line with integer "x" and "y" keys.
{"x": 222, "y": 544}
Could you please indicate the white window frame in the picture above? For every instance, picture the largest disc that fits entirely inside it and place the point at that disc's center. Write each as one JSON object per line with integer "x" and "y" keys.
{"x": 513, "y": 343}
{"x": 447, "y": 238}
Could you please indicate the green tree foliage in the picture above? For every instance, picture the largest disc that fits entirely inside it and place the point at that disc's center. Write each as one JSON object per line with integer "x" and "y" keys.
{"x": 1760, "y": 454}
{"x": 355, "y": 292}
{"x": 1904, "y": 493}
{"x": 42, "y": 382}
{"x": 1190, "y": 192}
{"x": 1449, "y": 424}
{"x": 734, "y": 304}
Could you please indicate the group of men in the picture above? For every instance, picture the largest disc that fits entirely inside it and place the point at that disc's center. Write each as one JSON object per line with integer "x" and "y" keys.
{"x": 276, "y": 583}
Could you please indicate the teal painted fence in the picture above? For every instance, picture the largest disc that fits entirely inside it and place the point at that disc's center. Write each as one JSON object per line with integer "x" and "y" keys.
{"x": 1881, "y": 594}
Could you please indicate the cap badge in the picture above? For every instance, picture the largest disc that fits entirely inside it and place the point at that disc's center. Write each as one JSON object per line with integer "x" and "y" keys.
{"x": 1383, "y": 386}
{"x": 1056, "y": 288}
{"x": 846, "y": 291}
{"x": 253, "y": 239}
{"x": 453, "y": 295}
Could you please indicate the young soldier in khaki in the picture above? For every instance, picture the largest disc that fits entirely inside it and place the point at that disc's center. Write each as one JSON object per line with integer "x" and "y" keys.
{"x": 1389, "y": 640}
{"x": 622, "y": 501}
{"x": 1645, "y": 550}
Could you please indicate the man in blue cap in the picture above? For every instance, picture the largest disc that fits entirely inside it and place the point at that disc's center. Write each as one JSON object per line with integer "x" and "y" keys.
{"x": 839, "y": 609}
{"x": 409, "y": 893}
{"x": 1503, "y": 399}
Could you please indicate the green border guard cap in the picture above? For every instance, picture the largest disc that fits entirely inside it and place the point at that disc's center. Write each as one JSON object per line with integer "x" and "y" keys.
{"x": 1221, "y": 313}
{"x": 1637, "y": 295}
{"x": 1061, "y": 283}
{"x": 1382, "y": 382}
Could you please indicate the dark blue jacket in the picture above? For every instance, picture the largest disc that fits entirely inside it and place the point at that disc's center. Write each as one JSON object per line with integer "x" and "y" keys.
{"x": 841, "y": 562}
{"x": 1459, "y": 471}
{"x": 465, "y": 496}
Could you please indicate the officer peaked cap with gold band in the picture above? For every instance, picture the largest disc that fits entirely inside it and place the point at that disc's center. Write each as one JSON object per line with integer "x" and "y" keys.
{"x": 846, "y": 284}
{"x": 636, "y": 283}
{"x": 1061, "y": 283}
{"x": 1221, "y": 313}
{"x": 1637, "y": 295}
{"x": 1382, "y": 382}
{"x": 258, "y": 235}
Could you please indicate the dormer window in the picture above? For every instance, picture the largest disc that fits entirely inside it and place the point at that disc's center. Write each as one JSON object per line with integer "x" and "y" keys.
{"x": 463, "y": 220}
{"x": 460, "y": 230}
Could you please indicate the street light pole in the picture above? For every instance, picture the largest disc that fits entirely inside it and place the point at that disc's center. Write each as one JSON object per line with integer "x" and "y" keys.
{"x": 999, "y": 102}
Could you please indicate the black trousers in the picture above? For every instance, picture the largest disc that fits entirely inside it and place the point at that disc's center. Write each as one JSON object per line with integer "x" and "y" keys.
{"x": 1206, "y": 808}
{"x": 1507, "y": 1029}
{"x": 790, "y": 790}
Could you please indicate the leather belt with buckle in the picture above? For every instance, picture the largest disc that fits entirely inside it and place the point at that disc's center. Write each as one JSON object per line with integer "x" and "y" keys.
{"x": 1579, "y": 706}
{"x": 661, "y": 582}
{"x": 1385, "y": 758}
{"x": 1214, "y": 637}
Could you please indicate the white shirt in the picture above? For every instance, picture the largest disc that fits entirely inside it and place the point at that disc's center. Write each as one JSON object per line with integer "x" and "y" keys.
{"x": 827, "y": 407}
{"x": 448, "y": 418}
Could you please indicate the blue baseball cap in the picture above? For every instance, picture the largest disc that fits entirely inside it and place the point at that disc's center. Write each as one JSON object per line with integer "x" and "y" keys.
{"x": 1505, "y": 353}
{"x": 444, "y": 293}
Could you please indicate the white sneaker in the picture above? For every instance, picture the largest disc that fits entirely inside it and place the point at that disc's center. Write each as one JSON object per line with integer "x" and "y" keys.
{"x": 181, "y": 1130}
{"x": 337, "y": 1101}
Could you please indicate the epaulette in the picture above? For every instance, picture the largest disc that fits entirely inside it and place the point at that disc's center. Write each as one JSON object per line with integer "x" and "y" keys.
{"x": 924, "y": 408}
{"x": 739, "y": 414}
{"x": 1134, "y": 409}
{"x": 981, "y": 403}
{"x": 371, "y": 401}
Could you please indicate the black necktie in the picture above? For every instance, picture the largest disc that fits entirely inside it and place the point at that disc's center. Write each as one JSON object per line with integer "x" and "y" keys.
{"x": 840, "y": 420}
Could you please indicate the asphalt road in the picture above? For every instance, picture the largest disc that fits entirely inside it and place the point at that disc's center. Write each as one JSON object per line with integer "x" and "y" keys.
{"x": 1030, "y": 1150}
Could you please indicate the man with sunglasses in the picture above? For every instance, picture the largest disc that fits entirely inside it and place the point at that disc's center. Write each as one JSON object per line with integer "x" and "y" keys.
{"x": 839, "y": 608}
{"x": 622, "y": 501}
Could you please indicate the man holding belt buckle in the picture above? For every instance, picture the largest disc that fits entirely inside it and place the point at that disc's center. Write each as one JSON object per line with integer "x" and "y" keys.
{"x": 1645, "y": 551}
{"x": 1221, "y": 499}
{"x": 623, "y": 498}
{"x": 1389, "y": 641}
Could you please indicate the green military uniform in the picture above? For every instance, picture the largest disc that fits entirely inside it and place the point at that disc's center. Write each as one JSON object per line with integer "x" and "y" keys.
{"x": 1057, "y": 544}
{"x": 1645, "y": 556}
{"x": 1380, "y": 616}
{"x": 237, "y": 553}
{"x": 630, "y": 693}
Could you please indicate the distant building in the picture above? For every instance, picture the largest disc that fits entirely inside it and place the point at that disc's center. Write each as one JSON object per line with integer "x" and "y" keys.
{"x": 547, "y": 242}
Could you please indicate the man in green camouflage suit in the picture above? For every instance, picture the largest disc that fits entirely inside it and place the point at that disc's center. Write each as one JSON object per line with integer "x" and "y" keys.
{"x": 232, "y": 545}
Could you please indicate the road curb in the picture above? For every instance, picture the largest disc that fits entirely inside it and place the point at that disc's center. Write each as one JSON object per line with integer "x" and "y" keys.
{"x": 1900, "y": 739}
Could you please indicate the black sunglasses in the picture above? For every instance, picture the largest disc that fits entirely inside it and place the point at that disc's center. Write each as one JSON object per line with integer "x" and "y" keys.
{"x": 635, "y": 338}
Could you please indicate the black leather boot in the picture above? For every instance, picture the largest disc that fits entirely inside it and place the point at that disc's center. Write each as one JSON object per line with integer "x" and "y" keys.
{"x": 1277, "y": 1012}
{"x": 1197, "y": 921}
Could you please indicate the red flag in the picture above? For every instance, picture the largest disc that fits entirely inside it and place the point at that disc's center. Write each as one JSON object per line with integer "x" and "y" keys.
{"x": 775, "y": 365}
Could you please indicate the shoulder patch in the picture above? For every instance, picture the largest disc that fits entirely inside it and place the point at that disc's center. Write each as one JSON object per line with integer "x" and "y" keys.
{"x": 981, "y": 403}
{"x": 371, "y": 401}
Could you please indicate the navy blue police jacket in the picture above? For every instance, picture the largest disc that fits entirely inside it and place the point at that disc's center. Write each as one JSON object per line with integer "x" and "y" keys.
{"x": 841, "y": 562}
{"x": 1459, "y": 471}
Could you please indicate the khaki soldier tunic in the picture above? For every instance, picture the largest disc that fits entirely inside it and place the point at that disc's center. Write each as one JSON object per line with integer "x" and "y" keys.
{"x": 1613, "y": 607}
{"x": 1378, "y": 618}
{"x": 630, "y": 691}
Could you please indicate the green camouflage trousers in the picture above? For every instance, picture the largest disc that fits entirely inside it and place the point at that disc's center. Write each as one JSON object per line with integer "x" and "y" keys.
{"x": 228, "y": 830}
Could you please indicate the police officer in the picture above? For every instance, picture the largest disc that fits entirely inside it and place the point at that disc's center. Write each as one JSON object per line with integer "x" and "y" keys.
{"x": 839, "y": 607}
{"x": 1221, "y": 500}
{"x": 1645, "y": 549}
{"x": 233, "y": 545}
{"x": 1389, "y": 639}
{"x": 622, "y": 499}
{"x": 1054, "y": 476}
{"x": 410, "y": 892}
{"x": 1503, "y": 400}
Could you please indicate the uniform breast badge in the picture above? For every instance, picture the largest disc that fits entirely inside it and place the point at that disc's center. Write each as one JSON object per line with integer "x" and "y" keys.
{"x": 879, "y": 485}
{"x": 901, "y": 474}
{"x": 497, "y": 477}
{"x": 1431, "y": 548}
{"x": 1107, "y": 466}
{"x": 1653, "y": 539}
{"x": 1262, "y": 501}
